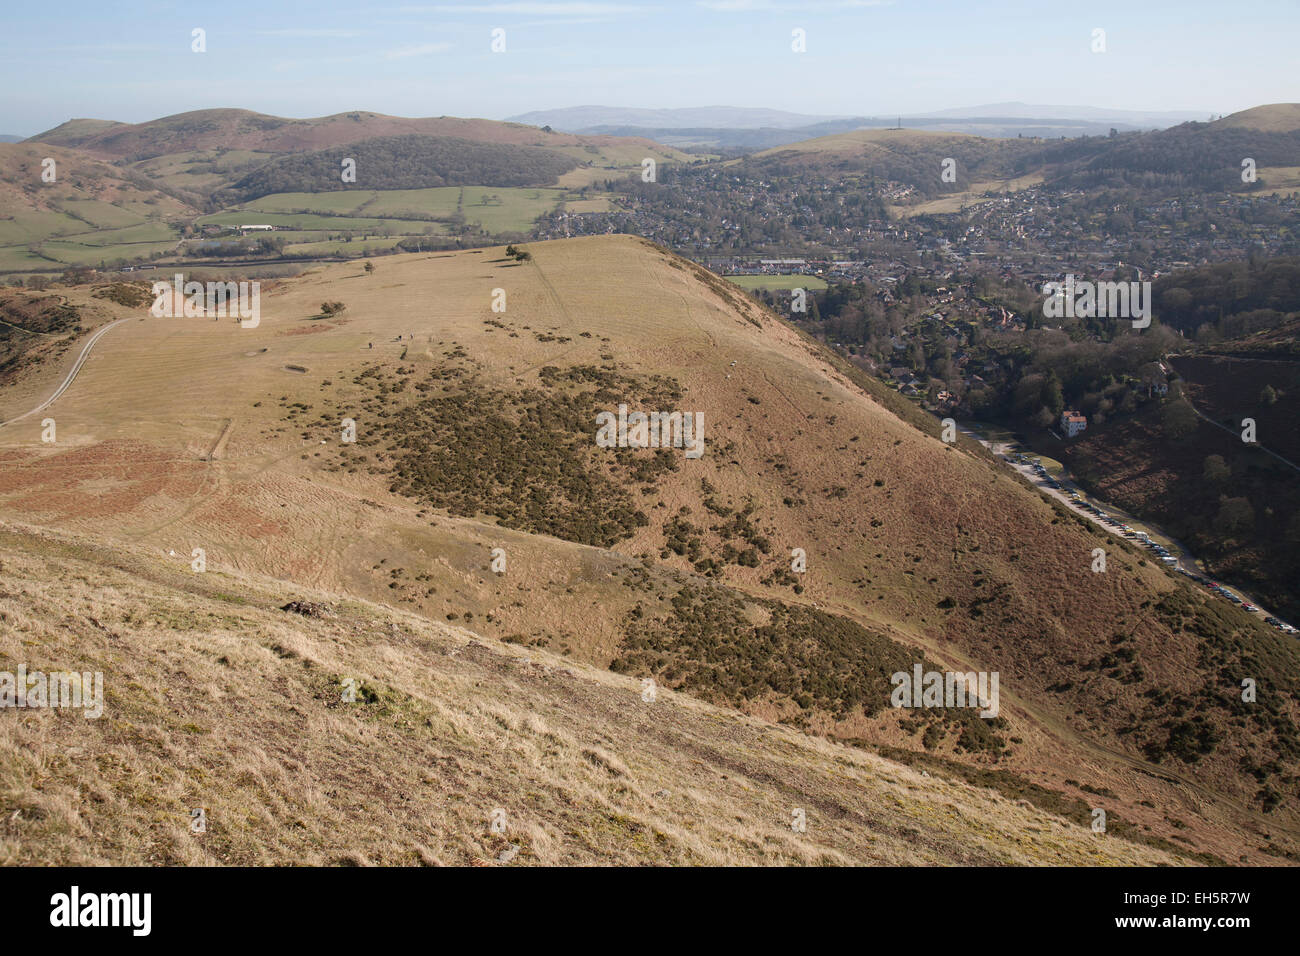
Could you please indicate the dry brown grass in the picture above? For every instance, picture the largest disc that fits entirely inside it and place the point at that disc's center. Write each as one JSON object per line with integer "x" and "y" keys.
{"x": 232, "y": 705}
{"x": 1275, "y": 117}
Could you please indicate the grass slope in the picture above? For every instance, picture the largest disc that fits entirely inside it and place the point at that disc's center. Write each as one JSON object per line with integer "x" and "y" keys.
{"x": 184, "y": 433}
{"x": 216, "y": 699}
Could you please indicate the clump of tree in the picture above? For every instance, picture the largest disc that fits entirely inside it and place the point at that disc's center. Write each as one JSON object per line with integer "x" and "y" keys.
{"x": 1236, "y": 515}
{"x": 331, "y": 308}
{"x": 514, "y": 252}
{"x": 1178, "y": 419}
{"x": 1216, "y": 469}
{"x": 1232, "y": 299}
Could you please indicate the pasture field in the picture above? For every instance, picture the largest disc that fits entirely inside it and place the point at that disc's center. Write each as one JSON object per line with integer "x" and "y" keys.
{"x": 101, "y": 215}
{"x": 20, "y": 259}
{"x": 300, "y": 221}
{"x": 752, "y": 282}
{"x": 495, "y": 209}
{"x": 23, "y": 227}
{"x": 332, "y": 203}
{"x": 1278, "y": 180}
{"x": 139, "y": 232}
{"x": 81, "y": 254}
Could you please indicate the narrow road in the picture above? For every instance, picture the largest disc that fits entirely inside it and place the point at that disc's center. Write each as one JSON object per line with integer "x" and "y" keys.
{"x": 1167, "y": 358}
{"x": 1186, "y": 560}
{"x": 1204, "y": 417}
{"x": 72, "y": 374}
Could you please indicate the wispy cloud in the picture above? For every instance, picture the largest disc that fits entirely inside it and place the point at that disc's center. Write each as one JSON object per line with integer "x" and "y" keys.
{"x": 774, "y": 6}
{"x": 536, "y": 8}
{"x": 310, "y": 33}
{"x": 419, "y": 49}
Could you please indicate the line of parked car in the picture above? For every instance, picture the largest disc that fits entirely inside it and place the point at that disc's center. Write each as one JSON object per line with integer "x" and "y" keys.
{"x": 1144, "y": 539}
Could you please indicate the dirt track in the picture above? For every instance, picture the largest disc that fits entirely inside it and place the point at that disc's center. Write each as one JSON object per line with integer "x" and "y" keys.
{"x": 71, "y": 376}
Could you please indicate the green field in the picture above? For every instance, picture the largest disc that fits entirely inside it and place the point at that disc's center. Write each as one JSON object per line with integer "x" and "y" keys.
{"x": 100, "y": 214}
{"x": 301, "y": 221}
{"x": 15, "y": 258}
{"x": 753, "y": 282}
{"x": 91, "y": 232}
{"x": 74, "y": 244}
{"x": 338, "y": 204}
{"x": 495, "y": 209}
{"x": 141, "y": 232}
{"x": 26, "y": 226}
{"x": 79, "y": 254}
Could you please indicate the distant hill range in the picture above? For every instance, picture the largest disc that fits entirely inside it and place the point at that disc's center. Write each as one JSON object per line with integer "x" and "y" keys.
{"x": 130, "y": 191}
{"x": 237, "y": 154}
{"x": 236, "y": 129}
{"x": 718, "y": 117}
{"x": 1192, "y": 155}
{"x": 729, "y": 127}
{"x": 10, "y": 138}
{"x": 127, "y": 193}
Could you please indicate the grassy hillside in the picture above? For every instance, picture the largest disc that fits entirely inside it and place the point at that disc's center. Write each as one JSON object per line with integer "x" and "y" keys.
{"x": 1275, "y": 117}
{"x": 907, "y": 163}
{"x": 201, "y": 152}
{"x": 92, "y": 212}
{"x": 475, "y": 431}
{"x": 216, "y": 698}
{"x": 143, "y": 191}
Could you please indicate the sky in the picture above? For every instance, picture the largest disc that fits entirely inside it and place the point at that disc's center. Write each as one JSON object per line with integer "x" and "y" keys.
{"x": 863, "y": 57}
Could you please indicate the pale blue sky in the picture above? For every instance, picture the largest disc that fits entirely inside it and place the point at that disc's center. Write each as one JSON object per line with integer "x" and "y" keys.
{"x": 81, "y": 58}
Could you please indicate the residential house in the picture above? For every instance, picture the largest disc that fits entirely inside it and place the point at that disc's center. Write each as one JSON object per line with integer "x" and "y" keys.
{"x": 1072, "y": 422}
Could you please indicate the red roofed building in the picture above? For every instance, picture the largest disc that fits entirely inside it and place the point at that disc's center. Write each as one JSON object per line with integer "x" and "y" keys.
{"x": 1073, "y": 422}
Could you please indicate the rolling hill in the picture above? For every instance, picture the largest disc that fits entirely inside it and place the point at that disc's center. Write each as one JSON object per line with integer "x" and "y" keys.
{"x": 1275, "y": 117}
{"x": 236, "y": 129}
{"x": 475, "y": 431}
{"x": 206, "y": 150}
{"x": 92, "y": 212}
{"x": 1192, "y": 155}
{"x": 420, "y": 181}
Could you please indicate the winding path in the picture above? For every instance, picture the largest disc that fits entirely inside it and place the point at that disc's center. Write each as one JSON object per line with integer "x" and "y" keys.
{"x": 72, "y": 374}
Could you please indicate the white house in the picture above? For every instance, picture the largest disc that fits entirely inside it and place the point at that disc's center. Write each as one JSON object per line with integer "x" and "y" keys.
{"x": 1073, "y": 422}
